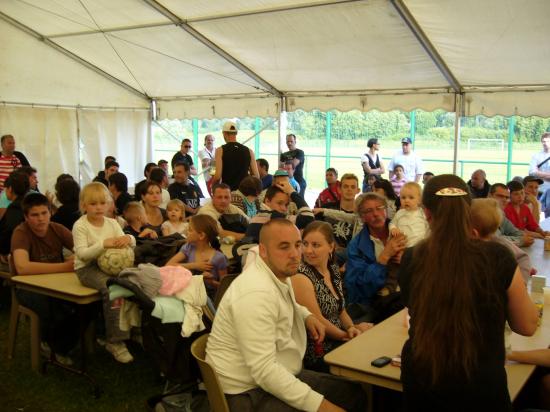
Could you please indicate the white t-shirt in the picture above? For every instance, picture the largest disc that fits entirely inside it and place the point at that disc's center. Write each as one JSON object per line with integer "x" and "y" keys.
{"x": 537, "y": 159}
{"x": 412, "y": 223}
{"x": 410, "y": 162}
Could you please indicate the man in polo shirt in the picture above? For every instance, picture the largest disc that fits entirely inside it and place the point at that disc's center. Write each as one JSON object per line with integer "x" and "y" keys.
{"x": 183, "y": 156}
{"x": 411, "y": 163}
{"x": 37, "y": 248}
{"x": 221, "y": 205}
{"x": 258, "y": 338}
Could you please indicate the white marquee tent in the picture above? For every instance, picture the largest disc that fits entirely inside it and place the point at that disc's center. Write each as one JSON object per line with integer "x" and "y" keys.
{"x": 91, "y": 72}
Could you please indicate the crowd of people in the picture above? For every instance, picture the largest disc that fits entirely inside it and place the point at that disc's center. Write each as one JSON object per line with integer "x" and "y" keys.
{"x": 309, "y": 279}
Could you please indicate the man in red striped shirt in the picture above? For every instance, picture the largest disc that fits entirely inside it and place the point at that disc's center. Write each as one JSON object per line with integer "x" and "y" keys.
{"x": 10, "y": 159}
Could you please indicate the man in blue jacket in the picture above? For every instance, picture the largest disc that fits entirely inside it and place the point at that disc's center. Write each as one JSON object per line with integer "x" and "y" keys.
{"x": 369, "y": 254}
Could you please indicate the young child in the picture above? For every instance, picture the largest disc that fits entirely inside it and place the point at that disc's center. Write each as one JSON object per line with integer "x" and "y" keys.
{"x": 486, "y": 219}
{"x": 410, "y": 221}
{"x": 175, "y": 209}
{"x": 134, "y": 214}
{"x": 93, "y": 233}
{"x": 201, "y": 253}
{"x": 398, "y": 179}
{"x": 519, "y": 214}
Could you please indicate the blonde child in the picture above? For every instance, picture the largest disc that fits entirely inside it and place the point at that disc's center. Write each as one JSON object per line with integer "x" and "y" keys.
{"x": 486, "y": 218}
{"x": 134, "y": 214}
{"x": 410, "y": 219}
{"x": 201, "y": 253}
{"x": 175, "y": 209}
{"x": 93, "y": 233}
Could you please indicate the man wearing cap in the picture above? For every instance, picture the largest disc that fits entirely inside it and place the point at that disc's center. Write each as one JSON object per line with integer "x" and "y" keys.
{"x": 478, "y": 185}
{"x": 182, "y": 156}
{"x": 409, "y": 160}
{"x": 371, "y": 162}
{"x": 238, "y": 159}
{"x": 531, "y": 186}
{"x": 540, "y": 163}
{"x": 297, "y": 157}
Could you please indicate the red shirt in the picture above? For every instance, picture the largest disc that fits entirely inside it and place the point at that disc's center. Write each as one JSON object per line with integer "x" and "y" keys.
{"x": 523, "y": 220}
{"x": 329, "y": 195}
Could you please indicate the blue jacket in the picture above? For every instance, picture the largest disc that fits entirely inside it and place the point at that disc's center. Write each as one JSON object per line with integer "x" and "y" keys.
{"x": 364, "y": 275}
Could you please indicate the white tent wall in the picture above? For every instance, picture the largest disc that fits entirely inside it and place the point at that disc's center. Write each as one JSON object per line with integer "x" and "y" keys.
{"x": 124, "y": 134}
{"x": 46, "y": 136}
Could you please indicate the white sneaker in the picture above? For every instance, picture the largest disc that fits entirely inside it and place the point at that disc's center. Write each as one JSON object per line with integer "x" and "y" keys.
{"x": 119, "y": 352}
{"x": 64, "y": 360}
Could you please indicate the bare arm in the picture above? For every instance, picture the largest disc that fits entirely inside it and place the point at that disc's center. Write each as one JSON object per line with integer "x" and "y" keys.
{"x": 522, "y": 313}
{"x": 305, "y": 295}
{"x": 253, "y": 165}
{"x": 539, "y": 357}
{"x": 24, "y": 266}
{"x": 193, "y": 170}
{"x": 176, "y": 259}
{"x": 219, "y": 165}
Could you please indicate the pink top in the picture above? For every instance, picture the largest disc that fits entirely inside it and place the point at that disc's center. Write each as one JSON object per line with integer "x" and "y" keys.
{"x": 397, "y": 184}
{"x": 174, "y": 279}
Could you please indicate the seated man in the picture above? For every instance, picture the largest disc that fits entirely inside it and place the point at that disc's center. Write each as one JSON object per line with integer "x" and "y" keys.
{"x": 275, "y": 205}
{"x": 263, "y": 169}
{"x": 332, "y": 193}
{"x": 369, "y": 254}
{"x": 258, "y": 338}
{"x": 219, "y": 206}
{"x": 16, "y": 187}
{"x": 118, "y": 186}
{"x": 37, "y": 248}
{"x": 531, "y": 185}
{"x": 184, "y": 190}
{"x": 111, "y": 167}
{"x": 478, "y": 185}
{"x": 501, "y": 194}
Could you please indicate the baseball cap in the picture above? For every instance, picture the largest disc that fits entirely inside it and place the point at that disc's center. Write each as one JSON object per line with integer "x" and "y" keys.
{"x": 527, "y": 179}
{"x": 280, "y": 173}
{"x": 229, "y": 127}
{"x": 406, "y": 140}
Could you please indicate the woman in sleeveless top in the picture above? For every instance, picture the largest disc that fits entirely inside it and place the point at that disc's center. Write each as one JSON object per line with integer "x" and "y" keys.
{"x": 371, "y": 162}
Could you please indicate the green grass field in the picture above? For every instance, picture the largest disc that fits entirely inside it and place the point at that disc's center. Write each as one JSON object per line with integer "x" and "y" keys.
{"x": 345, "y": 155}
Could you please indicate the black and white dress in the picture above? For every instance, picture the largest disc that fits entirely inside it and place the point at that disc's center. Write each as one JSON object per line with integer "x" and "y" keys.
{"x": 330, "y": 306}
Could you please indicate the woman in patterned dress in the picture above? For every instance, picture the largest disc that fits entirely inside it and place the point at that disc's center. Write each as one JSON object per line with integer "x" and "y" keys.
{"x": 318, "y": 287}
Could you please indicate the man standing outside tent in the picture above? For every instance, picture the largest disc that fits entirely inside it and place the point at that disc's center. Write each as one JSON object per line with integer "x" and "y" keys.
{"x": 183, "y": 156}
{"x": 297, "y": 157}
{"x": 540, "y": 163}
{"x": 409, "y": 160}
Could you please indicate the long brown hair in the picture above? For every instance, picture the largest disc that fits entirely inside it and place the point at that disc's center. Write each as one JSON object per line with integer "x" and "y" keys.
{"x": 447, "y": 284}
{"x": 207, "y": 225}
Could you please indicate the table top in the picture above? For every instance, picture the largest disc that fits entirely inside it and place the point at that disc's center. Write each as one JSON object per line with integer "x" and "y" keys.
{"x": 64, "y": 286}
{"x": 353, "y": 359}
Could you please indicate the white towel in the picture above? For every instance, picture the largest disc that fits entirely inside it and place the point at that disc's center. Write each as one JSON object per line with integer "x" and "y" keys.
{"x": 194, "y": 298}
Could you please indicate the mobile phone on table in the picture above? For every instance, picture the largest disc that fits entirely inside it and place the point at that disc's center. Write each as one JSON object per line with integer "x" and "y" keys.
{"x": 381, "y": 361}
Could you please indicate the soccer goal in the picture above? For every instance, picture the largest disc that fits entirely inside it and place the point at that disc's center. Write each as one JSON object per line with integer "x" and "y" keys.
{"x": 485, "y": 144}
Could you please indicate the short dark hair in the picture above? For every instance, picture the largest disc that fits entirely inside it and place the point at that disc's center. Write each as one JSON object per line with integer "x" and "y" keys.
{"x": 119, "y": 181}
{"x": 28, "y": 170}
{"x": 428, "y": 174}
{"x": 185, "y": 140}
{"x": 272, "y": 191}
{"x": 263, "y": 163}
{"x": 250, "y": 186}
{"x": 514, "y": 186}
{"x": 18, "y": 182}
{"x": 332, "y": 170}
{"x": 162, "y": 162}
{"x": 67, "y": 191}
{"x": 63, "y": 176}
{"x": 290, "y": 162}
{"x": 220, "y": 186}
{"x": 157, "y": 175}
{"x": 108, "y": 159}
{"x": 34, "y": 199}
{"x": 372, "y": 141}
{"x": 387, "y": 187}
{"x": 184, "y": 165}
{"x": 495, "y": 186}
{"x": 148, "y": 168}
{"x": 146, "y": 185}
{"x": 111, "y": 163}
{"x": 398, "y": 165}
{"x": 6, "y": 136}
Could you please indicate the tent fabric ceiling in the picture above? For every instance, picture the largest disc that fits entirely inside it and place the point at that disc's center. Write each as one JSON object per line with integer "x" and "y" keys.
{"x": 344, "y": 55}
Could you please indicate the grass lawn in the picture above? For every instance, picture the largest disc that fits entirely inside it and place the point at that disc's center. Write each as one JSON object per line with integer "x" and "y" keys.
{"x": 125, "y": 387}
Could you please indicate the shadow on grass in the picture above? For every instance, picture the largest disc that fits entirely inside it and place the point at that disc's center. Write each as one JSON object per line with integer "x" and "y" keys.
{"x": 124, "y": 387}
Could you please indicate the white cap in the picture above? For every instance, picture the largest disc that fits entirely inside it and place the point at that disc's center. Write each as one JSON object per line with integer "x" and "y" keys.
{"x": 229, "y": 127}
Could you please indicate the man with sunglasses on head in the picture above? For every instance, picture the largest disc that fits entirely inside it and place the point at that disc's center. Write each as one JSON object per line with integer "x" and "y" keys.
{"x": 369, "y": 254}
{"x": 183, "y": 156}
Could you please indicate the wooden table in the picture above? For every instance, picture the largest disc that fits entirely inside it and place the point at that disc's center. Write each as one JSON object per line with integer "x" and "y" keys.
{"x": 65, "y": 286}
{"x": 353, "y": 358}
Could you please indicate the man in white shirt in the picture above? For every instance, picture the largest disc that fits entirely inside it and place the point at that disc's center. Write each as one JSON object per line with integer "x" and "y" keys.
{"x": 258, "y": 339}
{"x": 207, "y": 155}
{"x": 411, "y": 163}
{"x": 221, "y": 205}
{"x": 540, "y": 163}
